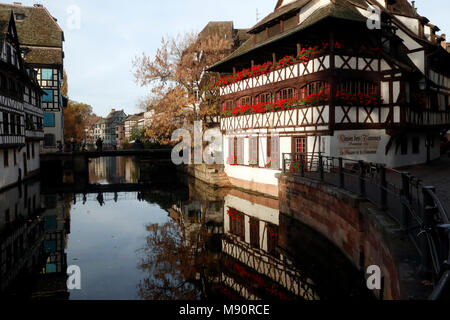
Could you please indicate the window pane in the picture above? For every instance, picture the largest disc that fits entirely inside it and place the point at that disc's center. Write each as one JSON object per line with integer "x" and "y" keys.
{"x": 49, "y": 140}
{"x": 48, "y": 96}
{"x": 49, "y": 119}
{"x": 47, "y": 74}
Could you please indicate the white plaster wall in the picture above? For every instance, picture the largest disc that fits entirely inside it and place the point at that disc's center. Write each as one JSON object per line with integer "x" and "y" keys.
{"x": 409, "y": 42}
{"x": 411, "y": 23}
{"x": 57, "y": 131}
{"x": 254, "y": 210}
{"x": 385, "y": 92}
{"x": 10, "y": 175}
{"x": 257, "y": 175}
{"x": 418, "y": 58}
{"x": 394, "y": 158}
{"x": 427, "y": 32}
{"x": 311, "y": 7}
{"x": 34, "y": 163}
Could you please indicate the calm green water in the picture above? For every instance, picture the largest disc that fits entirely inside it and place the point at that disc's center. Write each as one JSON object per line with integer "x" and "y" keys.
{"x": 140, "y": 232}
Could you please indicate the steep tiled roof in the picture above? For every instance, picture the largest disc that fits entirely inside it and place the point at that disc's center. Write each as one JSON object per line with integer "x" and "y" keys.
{"x": 340, "y": 9}
{"x": 5, "y": 17}
{"x": 44, "y": 56}
{"x": 279, "y": 12}
{"x": 217, "y": 27}
{"x": 38, "y": 28}
{"x": 38, "y": 31}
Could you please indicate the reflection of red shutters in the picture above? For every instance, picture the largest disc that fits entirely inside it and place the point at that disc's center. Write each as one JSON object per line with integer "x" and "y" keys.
{"x": 237, "y": 225}
{"x": 254, "y": 233}
{"x": 272, "y": 239}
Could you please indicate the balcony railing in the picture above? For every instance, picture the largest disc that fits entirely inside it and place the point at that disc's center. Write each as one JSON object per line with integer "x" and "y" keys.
{"x": 414, "y": 206}
{"x": 423, "y": 117}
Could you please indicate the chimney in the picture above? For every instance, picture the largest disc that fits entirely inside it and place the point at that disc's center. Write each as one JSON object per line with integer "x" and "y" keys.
{"x": 17, "y": 4}
{"x": 113, "y": 110}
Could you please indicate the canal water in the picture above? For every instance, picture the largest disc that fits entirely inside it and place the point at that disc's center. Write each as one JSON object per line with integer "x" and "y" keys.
{"x": 137, "y": 231}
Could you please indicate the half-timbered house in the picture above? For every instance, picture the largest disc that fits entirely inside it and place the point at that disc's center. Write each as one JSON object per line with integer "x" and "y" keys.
{"x": 41, "y": 40}
{"x": 366, "y": 80}
{"x": 21, "y": 115}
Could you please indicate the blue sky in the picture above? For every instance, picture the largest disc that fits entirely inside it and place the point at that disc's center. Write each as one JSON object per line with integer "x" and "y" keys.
{"x": 111, "y": 33}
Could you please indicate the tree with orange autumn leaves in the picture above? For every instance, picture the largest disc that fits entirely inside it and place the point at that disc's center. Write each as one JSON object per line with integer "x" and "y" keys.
{"x": 76, "y": 116}
{"x": 181, "y": 92}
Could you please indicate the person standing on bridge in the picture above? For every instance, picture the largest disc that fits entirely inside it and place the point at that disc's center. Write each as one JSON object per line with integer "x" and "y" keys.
{"x": 99, "y": 144}
{"x": 60, "y": 146}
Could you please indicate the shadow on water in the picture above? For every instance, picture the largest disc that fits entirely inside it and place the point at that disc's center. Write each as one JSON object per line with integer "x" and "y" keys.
{"x": 138, "y": 230}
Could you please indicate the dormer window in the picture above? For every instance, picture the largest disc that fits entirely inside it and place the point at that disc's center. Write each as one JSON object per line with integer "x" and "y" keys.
{"x": 20, "y": 16}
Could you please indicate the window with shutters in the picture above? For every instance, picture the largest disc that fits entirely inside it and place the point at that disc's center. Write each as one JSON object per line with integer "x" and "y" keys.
{"x": 273, "y": 152}
{"x": 5, "y": 123}
{"x": 240, "y": 151}
{"x": 299, "y": 147}
{"x": 253, "y": 151}
{"x": 237, "y": 224}
{"x": 49, "y": 140}
{"x": 272, "y": 239}
{"x": 6, "y": 158}
{"x": 13, "y": 124}
{"x": 231, "y": 151}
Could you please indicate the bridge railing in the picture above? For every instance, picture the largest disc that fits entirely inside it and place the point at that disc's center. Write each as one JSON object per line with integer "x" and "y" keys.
{"x": 414, "y": 206}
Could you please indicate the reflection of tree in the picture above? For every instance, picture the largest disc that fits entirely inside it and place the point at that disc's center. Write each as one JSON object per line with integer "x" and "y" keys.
{"x": 178, "y": 261}
{"x": 168, "y": 262}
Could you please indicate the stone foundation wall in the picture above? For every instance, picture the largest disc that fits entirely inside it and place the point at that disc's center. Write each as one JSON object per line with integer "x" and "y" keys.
{"x": 210, "y": 174}
{"x": 365, "y": 235}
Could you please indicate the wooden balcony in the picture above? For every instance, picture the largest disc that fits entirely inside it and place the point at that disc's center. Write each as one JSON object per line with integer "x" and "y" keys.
{"x": 298, "y": 69}
{"x": 320, "y": 118}
{"x": 427, "y": 118}
{"x": 34, "y": 135}
{"x": 8, "y": 140}
{"x": 304, "y": 119}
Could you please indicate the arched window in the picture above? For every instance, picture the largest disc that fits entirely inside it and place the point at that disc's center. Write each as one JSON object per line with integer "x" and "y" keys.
{"x": 264, "y": 97}
{"x": 357, "y": 86}
{"x": 245, "y": 101}
{"x": 288, "y": 93}
{"x": 228, "y": 105}
{"x": 316, "y": 87}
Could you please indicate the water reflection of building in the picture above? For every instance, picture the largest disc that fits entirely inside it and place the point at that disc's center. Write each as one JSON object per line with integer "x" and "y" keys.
{"x": 254, "y": 267}
{"x": 112, "y": 170}
{"x": 51, "y": 281}
{"x": 22, "y": 234}
{"x": 33, "y": 232}
{"x": 239, "y": 231}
